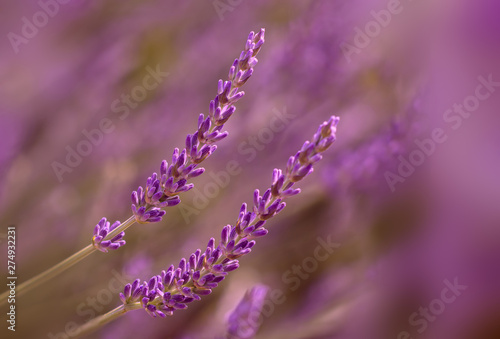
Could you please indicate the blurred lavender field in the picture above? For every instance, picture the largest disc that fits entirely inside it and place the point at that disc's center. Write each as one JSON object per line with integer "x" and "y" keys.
{"x": 396, "y": 233}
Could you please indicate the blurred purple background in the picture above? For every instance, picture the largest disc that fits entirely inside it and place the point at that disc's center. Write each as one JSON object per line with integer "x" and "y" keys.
{"x": 393, "y": 71}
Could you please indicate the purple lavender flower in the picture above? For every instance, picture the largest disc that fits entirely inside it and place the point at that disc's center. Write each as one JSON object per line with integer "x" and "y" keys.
{"x": 243, "y": 322}
{"x": 162, "y": 190}
{"x": 178, "y": 286}
{"x": 101, "y": 230}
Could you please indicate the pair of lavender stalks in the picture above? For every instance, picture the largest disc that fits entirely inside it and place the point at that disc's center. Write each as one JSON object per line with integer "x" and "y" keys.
{"x": 178, "y": 286}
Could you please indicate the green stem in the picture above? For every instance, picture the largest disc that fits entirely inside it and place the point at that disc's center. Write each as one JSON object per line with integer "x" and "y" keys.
{"x": 49, "y": 274}
{"x": 126, "y": 224}
{"x": 101, "y": 320}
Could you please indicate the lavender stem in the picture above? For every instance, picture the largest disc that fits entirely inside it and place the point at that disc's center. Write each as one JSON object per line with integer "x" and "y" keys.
{"x": 95, "y": 323}
{"x": 50, "y": 273}
{"x": 126, "y": 224}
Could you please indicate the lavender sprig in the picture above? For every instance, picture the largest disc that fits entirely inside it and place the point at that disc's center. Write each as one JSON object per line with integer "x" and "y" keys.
{"x": 162, "y": 190}
{"x": 176, "y": 287}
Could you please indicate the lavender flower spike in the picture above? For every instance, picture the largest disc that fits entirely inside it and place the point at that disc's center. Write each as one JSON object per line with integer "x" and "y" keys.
{"x": 243, "y": 322}
{"x": 178, "y": 286}
{"x": 162, "y": 189}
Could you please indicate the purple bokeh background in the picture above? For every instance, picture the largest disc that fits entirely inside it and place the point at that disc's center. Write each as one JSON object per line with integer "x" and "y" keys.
{"x": 396, "y": 248}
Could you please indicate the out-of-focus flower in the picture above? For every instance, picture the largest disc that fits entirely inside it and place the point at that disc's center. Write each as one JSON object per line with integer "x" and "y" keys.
{"x": 243, "y": 322}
